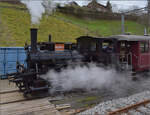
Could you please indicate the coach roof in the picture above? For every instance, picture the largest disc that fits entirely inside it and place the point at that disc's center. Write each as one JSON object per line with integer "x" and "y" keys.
{"x": 131, "y": 37}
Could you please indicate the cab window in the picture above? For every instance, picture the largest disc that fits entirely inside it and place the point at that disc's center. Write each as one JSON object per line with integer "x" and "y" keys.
{"x": 144, "y": 47}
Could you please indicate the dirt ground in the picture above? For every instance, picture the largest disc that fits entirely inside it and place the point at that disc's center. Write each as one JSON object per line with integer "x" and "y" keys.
{"x": 5, "y": 85}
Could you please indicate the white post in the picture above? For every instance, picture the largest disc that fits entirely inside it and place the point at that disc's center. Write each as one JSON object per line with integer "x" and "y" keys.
{"x": 122, "y": 20}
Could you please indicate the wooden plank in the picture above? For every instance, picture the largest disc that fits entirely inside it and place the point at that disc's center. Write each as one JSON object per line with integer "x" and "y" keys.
{"x": 63, "y": 106}
{"x": 33, "y": 107}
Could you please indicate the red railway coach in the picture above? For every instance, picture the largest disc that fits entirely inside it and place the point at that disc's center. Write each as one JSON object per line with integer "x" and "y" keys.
{"x": 130, "y": 52}
{"x": 136, "y": 49}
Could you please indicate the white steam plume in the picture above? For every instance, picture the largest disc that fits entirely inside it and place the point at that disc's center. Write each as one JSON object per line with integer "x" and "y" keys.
{"x": 85, "y": 78}
{"x": 38, "y": 7}
{"x": 92, "y": 77}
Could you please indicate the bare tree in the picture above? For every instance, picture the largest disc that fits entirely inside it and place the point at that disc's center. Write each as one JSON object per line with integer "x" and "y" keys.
{"x": 109, "y": 6}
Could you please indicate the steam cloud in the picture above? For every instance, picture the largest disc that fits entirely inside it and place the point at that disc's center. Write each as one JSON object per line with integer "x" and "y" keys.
{"x": 38, "y": 7}
{"x": 86, "y": 78}
{"x": 92, "y": 77}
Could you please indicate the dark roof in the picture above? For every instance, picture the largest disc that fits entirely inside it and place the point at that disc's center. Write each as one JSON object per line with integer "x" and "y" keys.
{"x": 73, "y": 3}
{"x": 94, "y": 3}
{"x": 90, "y": 37}
{"x": 119, "y": 38}
{"x": 131, "y": 37}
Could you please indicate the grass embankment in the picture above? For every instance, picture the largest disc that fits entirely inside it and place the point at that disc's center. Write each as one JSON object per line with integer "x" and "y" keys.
{"x": 15, "y": 24}
{"x": 104, "y": 27}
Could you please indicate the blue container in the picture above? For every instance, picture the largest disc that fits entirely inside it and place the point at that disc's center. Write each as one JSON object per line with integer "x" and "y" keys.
{"x": 8, "y": 58}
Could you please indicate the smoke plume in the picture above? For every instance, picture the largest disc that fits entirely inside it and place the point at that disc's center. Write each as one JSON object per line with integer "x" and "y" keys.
{"x": 35, "y": 8}
{"x": 92, "y": 77}
{"x": 38, "y": 7}
{"x": 81, "y": 77}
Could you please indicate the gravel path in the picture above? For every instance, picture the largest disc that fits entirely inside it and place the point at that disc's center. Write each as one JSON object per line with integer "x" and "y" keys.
{"x": 112, "y": 105}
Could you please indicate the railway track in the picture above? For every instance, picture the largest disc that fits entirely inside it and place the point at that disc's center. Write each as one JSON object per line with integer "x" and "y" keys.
{"x": 12, "y": 96}
{"x": 142, "y": 108}
{"x": 16, "y": 96}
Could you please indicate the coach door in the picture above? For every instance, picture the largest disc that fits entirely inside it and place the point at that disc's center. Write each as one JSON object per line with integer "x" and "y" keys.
{"x": 144, "y": 57}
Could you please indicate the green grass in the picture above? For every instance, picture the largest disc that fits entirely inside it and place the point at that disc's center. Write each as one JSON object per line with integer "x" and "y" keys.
{"x": 104, "y": 27}
{"x": 60, "y": 30}
{"x": 87, "y": 99}
{"x": 15, "y": 26}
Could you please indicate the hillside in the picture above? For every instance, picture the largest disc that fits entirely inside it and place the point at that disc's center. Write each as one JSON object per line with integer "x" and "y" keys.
{"x": 103, "y": 27}
{"x": 15, "y": 26}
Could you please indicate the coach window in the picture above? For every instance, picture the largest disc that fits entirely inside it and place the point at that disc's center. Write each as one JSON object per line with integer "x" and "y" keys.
{"x": 144, "y": 47}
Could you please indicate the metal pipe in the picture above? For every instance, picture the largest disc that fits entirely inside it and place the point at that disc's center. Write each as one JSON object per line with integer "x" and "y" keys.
{"x": 50, "y": 38}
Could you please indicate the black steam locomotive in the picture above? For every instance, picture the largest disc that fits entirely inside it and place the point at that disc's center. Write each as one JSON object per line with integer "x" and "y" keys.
{"x": 42, "y": 57}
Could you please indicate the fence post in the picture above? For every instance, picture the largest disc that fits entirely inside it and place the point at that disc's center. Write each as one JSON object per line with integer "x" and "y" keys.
{"x": 122, "y": 21}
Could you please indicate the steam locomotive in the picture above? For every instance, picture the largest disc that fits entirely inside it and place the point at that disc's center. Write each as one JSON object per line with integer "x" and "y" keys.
{"x": 124, "y": 52}
{"x": 42, "y": 57}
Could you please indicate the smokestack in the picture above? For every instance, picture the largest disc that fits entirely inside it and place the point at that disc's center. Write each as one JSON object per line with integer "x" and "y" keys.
{"x": 33, "y": 39}
{"x": 49, "y": 38}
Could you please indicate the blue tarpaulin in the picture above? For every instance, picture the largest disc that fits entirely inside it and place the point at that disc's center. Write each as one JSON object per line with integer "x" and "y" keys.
{"x": 8, "y": 58}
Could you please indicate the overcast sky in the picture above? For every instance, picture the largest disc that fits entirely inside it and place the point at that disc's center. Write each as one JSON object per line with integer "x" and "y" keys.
{"x": 36, "y": 8}
{"x": 120, "y": 3}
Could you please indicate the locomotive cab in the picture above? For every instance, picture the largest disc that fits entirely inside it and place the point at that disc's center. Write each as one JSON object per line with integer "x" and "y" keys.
{"x": 94, "y": 49}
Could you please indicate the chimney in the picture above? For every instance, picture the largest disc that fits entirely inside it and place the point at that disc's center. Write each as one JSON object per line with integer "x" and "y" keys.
{"x": 33, "y": 39}
{"x": 49, "y": 38}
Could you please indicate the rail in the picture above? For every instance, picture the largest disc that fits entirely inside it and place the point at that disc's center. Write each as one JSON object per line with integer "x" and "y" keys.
{"x": 131, "y": 107}
{"x": 15, "y": 96}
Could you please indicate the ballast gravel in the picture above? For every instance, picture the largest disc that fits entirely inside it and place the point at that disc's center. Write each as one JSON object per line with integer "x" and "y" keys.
{"x": 105, "y": 107}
